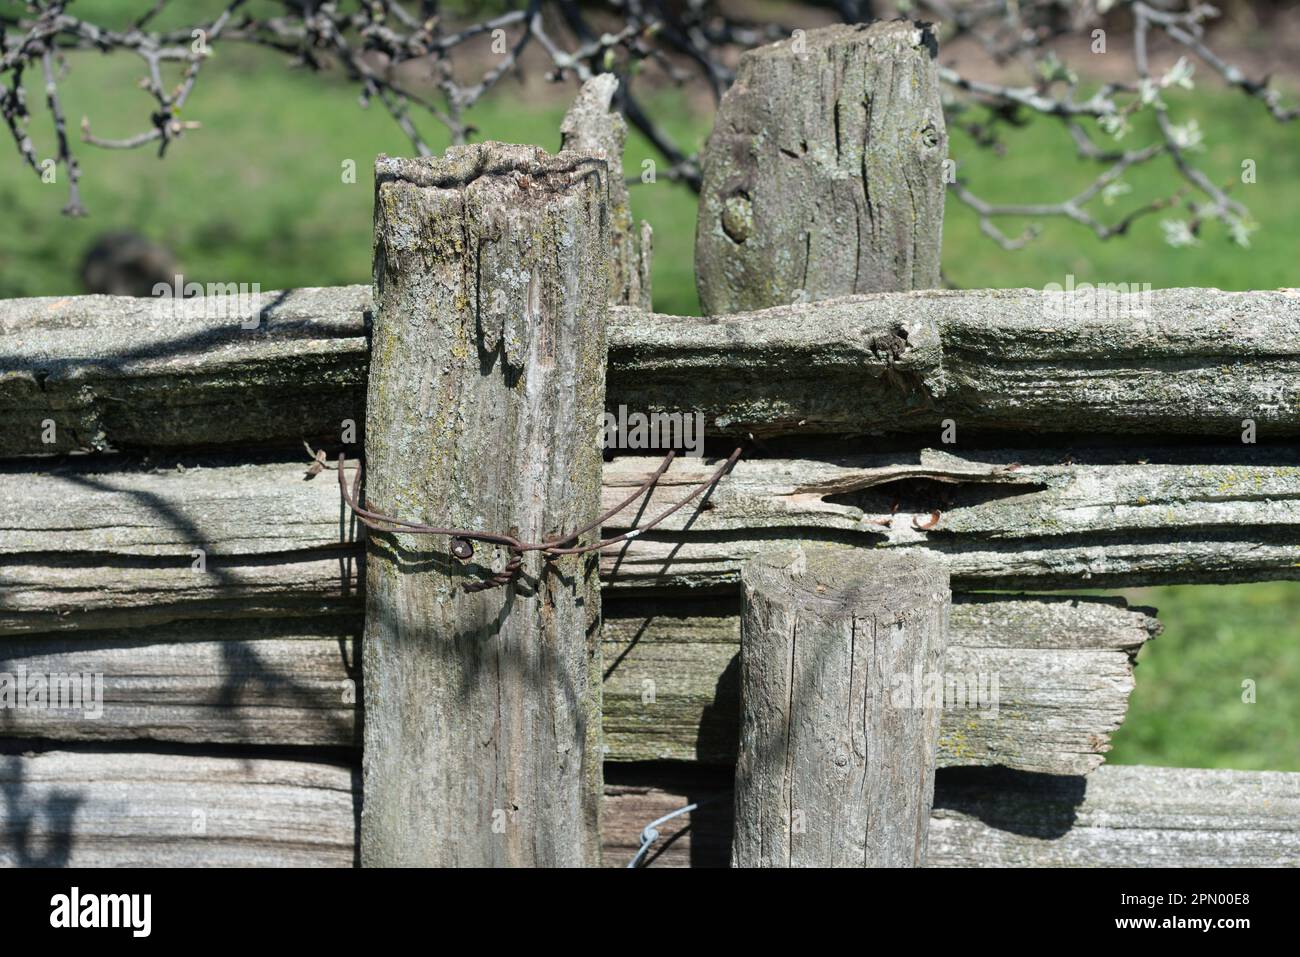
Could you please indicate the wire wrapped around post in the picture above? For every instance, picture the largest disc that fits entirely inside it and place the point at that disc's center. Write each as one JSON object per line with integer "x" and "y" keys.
{"x": 462, "y": 538}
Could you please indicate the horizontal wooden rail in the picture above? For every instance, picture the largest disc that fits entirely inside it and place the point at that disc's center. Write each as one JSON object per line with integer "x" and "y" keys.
{"x": 1012, "y": 519}
{"x": 112, "y": 371}
{"x": 1063, "y": 669}
{"x": 151, "y": 810}
{"x": 269, "y": 681}
{"x": 1118, "y": 816}
{"x": 82, "y": 547}
{"x": 129, "y": 373}
{"x": 68, "y": 809}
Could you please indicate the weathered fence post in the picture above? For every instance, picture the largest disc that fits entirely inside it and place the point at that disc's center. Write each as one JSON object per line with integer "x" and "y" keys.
{"x": 823, "y": 177}
{"x": 591, "y": 127}
{"x": 487, "y": 373}
{"x": 837, "y": 744}
{"x": 824, "y": 174}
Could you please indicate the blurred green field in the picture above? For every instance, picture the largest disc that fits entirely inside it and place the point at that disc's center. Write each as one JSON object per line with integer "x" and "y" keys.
{"x": 1187, "y": 709}
{"x": 258, "y": 195}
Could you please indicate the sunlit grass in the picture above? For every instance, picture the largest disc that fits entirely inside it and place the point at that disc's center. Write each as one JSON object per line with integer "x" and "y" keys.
{"x": 1188, "y": 708}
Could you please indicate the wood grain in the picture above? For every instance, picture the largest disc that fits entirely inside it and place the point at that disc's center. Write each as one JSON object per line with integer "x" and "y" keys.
{"x": 95, "y": 545}
{"x": 482, "y": 731}
{"x": 836, "y": 759}
{"x": 1063, "y": 667}
{"x": 67, "y": 809}
{"x": 823, "y": 175}
{"x": 1118, "y": 816}
{"x": 592, "y": 127}
{"x": 1064, "y": 670}
{"x": 139, "y": 810}
{"x": 1192, "y": 362}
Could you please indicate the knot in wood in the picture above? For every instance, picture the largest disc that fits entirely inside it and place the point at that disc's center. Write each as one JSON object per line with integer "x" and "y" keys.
{"x": 890, "y": 345}
{"x": 738, "y": 218}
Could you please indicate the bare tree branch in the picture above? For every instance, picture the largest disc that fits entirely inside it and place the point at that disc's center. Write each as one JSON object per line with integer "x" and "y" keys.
{"x": 689, "y": 41}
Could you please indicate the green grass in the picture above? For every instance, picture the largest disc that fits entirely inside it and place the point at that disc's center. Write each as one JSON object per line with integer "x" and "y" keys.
{"x": 257, "y": 196}
{"x": 1040, "y": 167}
{"x": 1187, "y": 709}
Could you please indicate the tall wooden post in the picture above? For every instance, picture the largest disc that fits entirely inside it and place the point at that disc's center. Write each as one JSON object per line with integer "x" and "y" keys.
{"x": 824, "y": 174}
{"x": 592, "y": 127}
{"x": 838, "y": 734}
{"x": 487, "y": 376}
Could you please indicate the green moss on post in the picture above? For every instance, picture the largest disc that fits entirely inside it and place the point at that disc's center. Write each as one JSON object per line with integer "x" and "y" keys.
{"x": 482, "y": 722}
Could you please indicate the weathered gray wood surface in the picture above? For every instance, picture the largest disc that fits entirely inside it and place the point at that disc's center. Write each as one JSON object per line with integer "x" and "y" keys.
{"x": 90, "y": 547}
{"x": 592, "y": 127}
{"x": 1064, "y": 669}
{"x": 273, "y": 681}
{"x": 1000, "y": 519}
{"x": 139, "y": 810}
{"x": 823, "y": 175}
{"x": 86, "y": 546}
{"x": 66, "y": 809}
{"x": 1118, "y": 816}
{"x": 112, "y": 371}
{"x": 836, "y": 760}
{"x": 50, "y": 594}
{"x": 1198, "y": 363}
{"x": 482, "y": 731}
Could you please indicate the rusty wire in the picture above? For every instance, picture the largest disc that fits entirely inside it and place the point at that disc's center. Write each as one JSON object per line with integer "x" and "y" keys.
{"x": 461, "y": 538}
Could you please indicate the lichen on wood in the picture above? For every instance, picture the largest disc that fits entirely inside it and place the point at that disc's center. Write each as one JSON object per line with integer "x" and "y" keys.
{"x": 1197, "y": 362}
{"x": 1119, "y": 816}
{"x": 591, "y": 126}
{"x": 482, "y": 732}
{"x": 117, "y": 549}
{"x": 823, "y": 175}
{"x": 1045, "y": 679}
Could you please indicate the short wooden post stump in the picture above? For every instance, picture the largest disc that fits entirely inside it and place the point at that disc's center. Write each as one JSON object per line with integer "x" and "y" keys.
{"x": 836, "y": 763}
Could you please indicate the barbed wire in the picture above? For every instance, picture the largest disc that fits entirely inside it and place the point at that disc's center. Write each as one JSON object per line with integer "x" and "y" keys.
{"x": 462, "y": 538}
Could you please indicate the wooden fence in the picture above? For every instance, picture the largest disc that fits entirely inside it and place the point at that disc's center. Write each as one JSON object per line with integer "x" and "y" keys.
{"x": 221, "y": 593}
